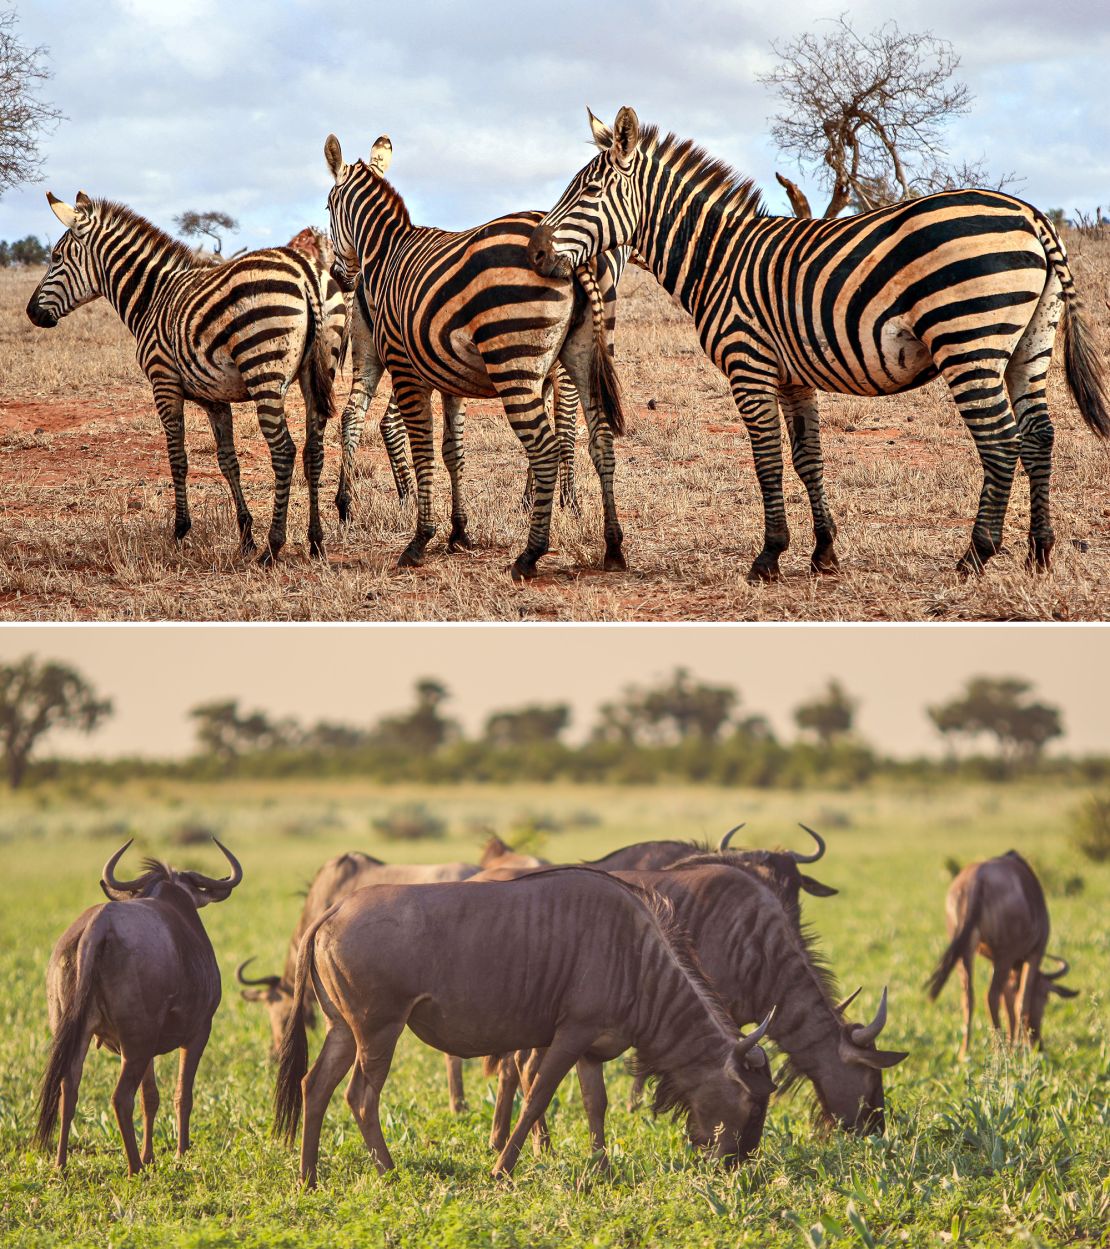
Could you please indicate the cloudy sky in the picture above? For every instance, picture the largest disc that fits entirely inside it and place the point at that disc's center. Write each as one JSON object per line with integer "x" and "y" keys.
{"x": 154, "y": 674}
{"x": 196, "y": 104}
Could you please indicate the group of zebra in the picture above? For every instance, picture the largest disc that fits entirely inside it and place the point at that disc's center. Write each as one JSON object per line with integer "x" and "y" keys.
{"x": 969, "y": 285}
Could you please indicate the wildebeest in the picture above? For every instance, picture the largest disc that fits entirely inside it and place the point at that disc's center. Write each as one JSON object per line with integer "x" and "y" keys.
{"x": 573, "y": 961}
{"x": 998, "y": 908}
{"x": 754, "y": 956}
{"x": 333, "y": 882}
{"x": 138, "y": 973}
{"x": 499, "y": 854}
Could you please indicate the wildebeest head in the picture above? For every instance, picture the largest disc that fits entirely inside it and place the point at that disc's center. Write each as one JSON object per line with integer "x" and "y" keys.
{"x": 858, "y": 1102}
{"x": 784, "y": 864}
{"x": 157, "y": 877}
{"x": 277, "y": 996}
{"x": 1046, "y": 983}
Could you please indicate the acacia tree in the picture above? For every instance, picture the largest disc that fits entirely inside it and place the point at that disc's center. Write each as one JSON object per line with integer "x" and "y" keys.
{"x": 424, "y": 728}
{"x": 998, "y": 707}
{"x": 678, "y": 708}
{"x": 226, "y": 733}
{"x": 23, "y": 116}
{"x": 829, "y": 716}
{"x": 211, "y": 225}
{"x": 529, "y": 724}
{"x": 36, "y": 698}
{"x": 867, "y": 113}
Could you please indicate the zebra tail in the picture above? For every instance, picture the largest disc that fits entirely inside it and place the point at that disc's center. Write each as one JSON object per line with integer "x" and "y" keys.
{"x": 1084, "y": 369}
{"x": 957, "y": 945}
{"x": 604, "y": 382}
{"x": 320, "y": 379}
{"x": 70, "y": 1034}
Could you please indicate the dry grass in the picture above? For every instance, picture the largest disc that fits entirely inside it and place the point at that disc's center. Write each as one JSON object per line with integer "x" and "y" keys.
{"x": 86, "y": 504}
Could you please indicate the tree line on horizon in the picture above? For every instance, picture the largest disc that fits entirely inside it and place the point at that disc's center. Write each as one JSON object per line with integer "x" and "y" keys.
{"x": 677, "y": 727}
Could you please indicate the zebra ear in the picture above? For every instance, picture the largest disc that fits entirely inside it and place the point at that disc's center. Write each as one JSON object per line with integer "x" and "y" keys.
{"x": 381, "y": 154}
{"x": 333, "y": 154}
{"x": 84, "y": 204}
{"x": 65, "y": 213}
{"x": 603, "y": 136}
{"x": 626, "y": 136}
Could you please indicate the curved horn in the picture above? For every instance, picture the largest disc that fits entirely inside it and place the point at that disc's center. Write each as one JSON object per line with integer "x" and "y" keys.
{"x": 108, "y": 876}
{"x": 798, "y": 857}
{"x": 746, "y": 1047}
{"x": 1060, "y": 972}
{"x": 844, "y": 1003}
{"x": 271, "y": 982}
{"x": 866, "y": 1035}
{"x": 228, "y": 882}
{"x": 723, "y": 843}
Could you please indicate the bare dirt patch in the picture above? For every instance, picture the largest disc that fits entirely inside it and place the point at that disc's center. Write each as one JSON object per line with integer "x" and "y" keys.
{"x": 86, "y": 504}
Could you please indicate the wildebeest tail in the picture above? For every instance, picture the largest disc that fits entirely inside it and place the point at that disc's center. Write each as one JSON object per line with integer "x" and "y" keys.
{"x": 1083, "y": 368}
{"x": 293, "y": 1054}
{"x": 604, "y": 382}
{"x": 958, "y": 944}
{"x": 70, "y": 1036}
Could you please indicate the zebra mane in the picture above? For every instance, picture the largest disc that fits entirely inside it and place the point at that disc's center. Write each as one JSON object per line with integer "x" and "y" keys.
{"x": 735, "y": 193}
{"x": 120, "y": 216}
{"x": 393, "y": 196}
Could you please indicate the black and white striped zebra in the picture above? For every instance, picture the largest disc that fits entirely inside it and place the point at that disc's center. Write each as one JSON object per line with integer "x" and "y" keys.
{"x": 970, "y": 285}
{"x": 211, "y": 334}
{"x": 465, "y": 314}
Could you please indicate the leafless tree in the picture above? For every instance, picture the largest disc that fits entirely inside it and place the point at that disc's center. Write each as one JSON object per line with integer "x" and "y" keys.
{"x": 867, "y": 112}
{"x": 23, "y": 116}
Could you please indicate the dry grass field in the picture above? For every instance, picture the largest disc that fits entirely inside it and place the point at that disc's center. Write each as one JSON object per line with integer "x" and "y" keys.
{"x": 86, "y": 503}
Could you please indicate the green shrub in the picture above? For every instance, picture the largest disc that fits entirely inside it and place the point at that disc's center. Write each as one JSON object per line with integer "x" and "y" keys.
{"x": 413, "y": 822}
{"x": 1091, "y": 828}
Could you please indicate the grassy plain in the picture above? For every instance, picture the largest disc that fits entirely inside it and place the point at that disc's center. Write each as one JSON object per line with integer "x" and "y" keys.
{"x": 87, "y": 503}
{"x": 1004, "y": 1150}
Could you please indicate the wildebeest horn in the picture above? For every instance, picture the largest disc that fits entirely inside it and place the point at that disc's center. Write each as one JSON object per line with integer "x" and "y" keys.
{"x": 798, "y": 857}
{"x": 271, "y": 982}
{"x": 866, "y": 1035}
{"x": 723, "y": 843}
{"x": 747, "y": 1047}
{"x": 844, "y": 1003}
{"x": 228, "y": 882}
{"x": 108, "y": 876}
{"x": 1060, "y": 972}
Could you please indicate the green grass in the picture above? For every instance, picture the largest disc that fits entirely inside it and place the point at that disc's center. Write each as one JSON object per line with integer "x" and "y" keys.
{"x": 1002, "y": 1150}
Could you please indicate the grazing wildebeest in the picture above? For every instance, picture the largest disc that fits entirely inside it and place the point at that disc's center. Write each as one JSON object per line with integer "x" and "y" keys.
{"x": 138, "y": 973}
{"x": 754, "y": 956}
{"x": 573, "y": 961}
{"x": 497, "y": 854}
{"x": 998, "y": 908}
{"x": 333, "y": 882}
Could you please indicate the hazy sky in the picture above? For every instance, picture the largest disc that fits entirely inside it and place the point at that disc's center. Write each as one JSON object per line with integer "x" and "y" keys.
{"x": 356, "y": 673}
{"x": 195, "y": 104}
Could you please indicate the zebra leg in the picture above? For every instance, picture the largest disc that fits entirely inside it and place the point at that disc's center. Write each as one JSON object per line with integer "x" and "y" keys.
{"x": 171, "y": 411}
{"x": 566, "y": 414}
{"x": 223, "y": 430}
{"x": 799, "y": 407}
{"x": 392, "y": 430}
{"x": 530, "y": 424}
{"x": 283, "y": 455}
{"x": 415, "y": 402}
{"x": 1026, "y": 381}
{"x": 312, "y": 457}
{"x": 454, "y": 414}
{"x": 367, "y": 371}
{"x": 755, "y": 401}
{"x": 980, "y": 395}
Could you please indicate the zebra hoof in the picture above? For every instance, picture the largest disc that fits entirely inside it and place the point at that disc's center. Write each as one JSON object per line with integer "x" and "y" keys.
{"x": 524, "y": 569}
{"x": 410, "y": 559}
{"x": 246, "y": 546}
{"x": 180, "y": 529}
{"x": 824, "y": 565}
{"x": 268, "y": 558}
{"x": 316, "y": 549}
{"x": 764, "y": 570}
{"x": 614, "y": 561}
{"x": 343, "y": 507}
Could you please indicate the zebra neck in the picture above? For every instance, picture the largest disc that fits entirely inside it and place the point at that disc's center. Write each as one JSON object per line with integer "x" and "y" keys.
{"x": 377, "y": 247}
{"x": 133, "y": 277}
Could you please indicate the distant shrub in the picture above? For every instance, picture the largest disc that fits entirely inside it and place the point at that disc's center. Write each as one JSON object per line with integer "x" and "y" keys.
{"x": 1091, "y": 828}
{"x": 192, "y": 833}
{"x": 584, "y": 819}
{"x": 111, "y": 830}
{"x": 312, "y": 825}
{"x": 413, "y": 822}
{"x": 834, "y": 817}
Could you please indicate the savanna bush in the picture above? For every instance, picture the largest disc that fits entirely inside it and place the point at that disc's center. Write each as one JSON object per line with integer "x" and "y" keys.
{"x": 1091, "y": 828}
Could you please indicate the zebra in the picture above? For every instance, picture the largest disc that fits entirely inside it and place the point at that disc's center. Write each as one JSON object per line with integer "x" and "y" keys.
{"x": 969, "y": 285}
{"x": 464, "y": 313}
{"x": 212, "y": 334}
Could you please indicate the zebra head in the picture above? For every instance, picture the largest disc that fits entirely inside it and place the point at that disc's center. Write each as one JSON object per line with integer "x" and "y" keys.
{"x": 347, "y": 201}
{"x": 71, "y": 278}
{"x": 600, "y": 209}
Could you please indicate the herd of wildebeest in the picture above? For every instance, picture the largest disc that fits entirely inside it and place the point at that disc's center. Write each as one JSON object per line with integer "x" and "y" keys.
{"x": 667, "y": 948}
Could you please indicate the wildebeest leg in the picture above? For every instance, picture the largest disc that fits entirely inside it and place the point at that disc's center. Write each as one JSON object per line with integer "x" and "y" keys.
{"x": 967, "y": 983}
{"x": 183, "y": 1097}
{"x": 508, "y": 1081}
{"x": 375, "y": 1053}
{"x": 332, "y": 1064}
{"x": 557, "y": 1062}
{"x": 1029, "y": 974}
{"x": 1009, "y": 998}
{"x": 456, "y": 1094}
{"x": 636, "y": 1096}
{"x": 223, "y": 430}
{"x": 71, "y": 1083}
{"x": 591, "y": 1080}
{"x": 528, "y": 1064}
{"x": 999, "y": 977}
{"x": 123, "y": 1103}
{"x": 150, "y": 1109}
